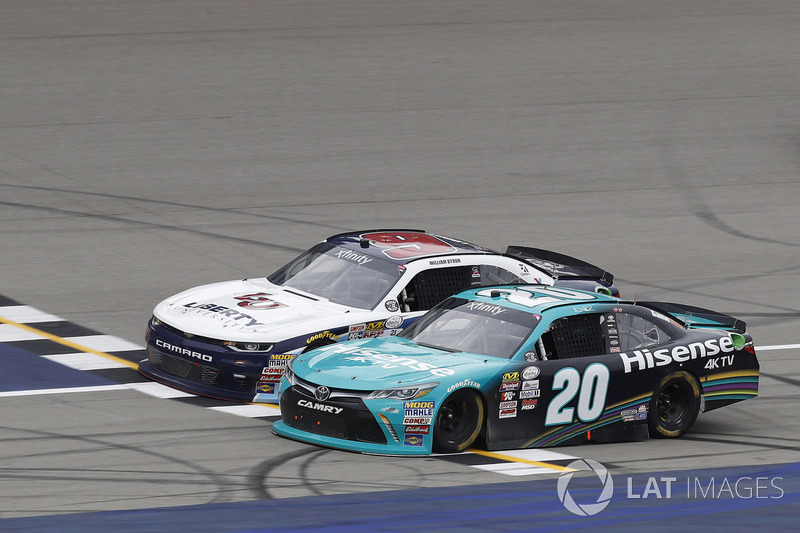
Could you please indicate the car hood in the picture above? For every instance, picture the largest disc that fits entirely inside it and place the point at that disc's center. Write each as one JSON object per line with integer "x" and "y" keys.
{"x": 390, "y": 362}
{"x": 245, "y": 309}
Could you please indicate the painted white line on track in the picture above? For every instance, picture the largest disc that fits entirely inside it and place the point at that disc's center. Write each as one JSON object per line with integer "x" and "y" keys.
{"x": 778, "y": 347}
{"x": 11, "y": 333}
{"x": 67, "y": 390}
{"x": 84, "y": 361}
{"x": 158, "y": 390}
{"x": 515, "y": 469}
{"x": 104, "y": 343}
{"x": 25, "y": 314}
{"x": 249, "y": 410}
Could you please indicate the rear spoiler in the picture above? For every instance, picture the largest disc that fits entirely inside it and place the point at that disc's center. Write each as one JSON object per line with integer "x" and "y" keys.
{"x": 559, "y": 266}
{"x": 697, "y": 317}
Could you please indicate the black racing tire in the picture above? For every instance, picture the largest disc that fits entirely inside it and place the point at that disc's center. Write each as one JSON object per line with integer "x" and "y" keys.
{"x": 458, "y": 422}
{"x": 674, "y": 406}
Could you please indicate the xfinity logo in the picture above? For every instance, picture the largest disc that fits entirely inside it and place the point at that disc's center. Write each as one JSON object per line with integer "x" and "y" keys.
{"x": 183, "y": 351}
{"x": 478, "y": 306}
{"x": 353, "y": 256}
{"x": 644, "y": 359}
{"x": 320, "y": 407}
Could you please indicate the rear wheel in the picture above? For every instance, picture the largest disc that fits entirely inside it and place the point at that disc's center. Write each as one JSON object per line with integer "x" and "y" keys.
{"x": 674, "y": 406}
{"x": 458, "y": 422}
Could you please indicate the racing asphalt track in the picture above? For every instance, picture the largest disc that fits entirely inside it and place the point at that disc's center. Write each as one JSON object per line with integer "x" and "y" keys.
{"x": 147, "y": 146}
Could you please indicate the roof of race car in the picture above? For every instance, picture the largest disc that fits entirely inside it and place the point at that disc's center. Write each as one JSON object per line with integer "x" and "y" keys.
{"x": 404, "y": 245}
{"x": 536, "y": 298}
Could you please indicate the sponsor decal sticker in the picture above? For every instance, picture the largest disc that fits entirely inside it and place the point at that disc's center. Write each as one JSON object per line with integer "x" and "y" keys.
{"x": 644, "y": 359}
{"x": 418, "y": 430}
{"x": 507, "y": 413}
{"x": 508, "y": 405}
{"x": 507, "y": 396}
{"x": 511, "y": 385}
{"x": 412, "y": 440}
{"x": 394, "y": 322}
{"x": 386, "y": 360}
{"x": 392, "y": 306}
{"x": 462, "y": 384}
{"x": 418, "y": 409}
{"x": 529, "y": 394}
{"x": 265, "y": 388}
{"x": 259, "y": 300}
{"x": 224, "y": 313}
{"x": 527, "y": 405}
{"x": 510, "y": 376}
{"x": 486, "y": 308}
{"x": 416, "y": 421}
{"x": 355, "y": 257}
{"x": 528, "y": 385}
{"x": 531, "y": 372}
{"x": 321, "y": 335}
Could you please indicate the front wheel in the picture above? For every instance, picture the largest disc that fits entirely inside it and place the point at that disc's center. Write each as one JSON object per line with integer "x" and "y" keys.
{"x": 674, "y": 406}
{"x": 458, "y": 422}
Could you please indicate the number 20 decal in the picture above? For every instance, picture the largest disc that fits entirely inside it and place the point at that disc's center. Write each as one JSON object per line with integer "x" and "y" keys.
{"x": 591, "y": 392}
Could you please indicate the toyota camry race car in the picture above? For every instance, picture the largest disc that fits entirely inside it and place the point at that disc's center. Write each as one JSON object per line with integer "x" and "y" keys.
{"x": 520, "y": 367}
{"x": 232, "y": 340}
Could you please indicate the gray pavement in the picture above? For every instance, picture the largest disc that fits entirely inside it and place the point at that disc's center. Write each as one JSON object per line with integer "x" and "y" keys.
{"x": 150, "y": 146}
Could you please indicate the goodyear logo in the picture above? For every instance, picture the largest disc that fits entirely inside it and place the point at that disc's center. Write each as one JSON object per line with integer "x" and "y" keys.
{"x": 511, "y": 376}
{"x": 321, "y": 335}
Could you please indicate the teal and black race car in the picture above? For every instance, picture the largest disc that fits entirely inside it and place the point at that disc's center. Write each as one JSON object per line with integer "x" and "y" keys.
{"x": 518, "y": 367}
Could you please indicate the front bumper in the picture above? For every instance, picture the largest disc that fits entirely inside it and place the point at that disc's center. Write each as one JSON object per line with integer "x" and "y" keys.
{"x": 346, "y": 421}
{"x": 201, "y": 367}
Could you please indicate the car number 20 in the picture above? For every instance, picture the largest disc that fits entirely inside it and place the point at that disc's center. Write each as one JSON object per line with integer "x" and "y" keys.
{"x": 591, "y": 390}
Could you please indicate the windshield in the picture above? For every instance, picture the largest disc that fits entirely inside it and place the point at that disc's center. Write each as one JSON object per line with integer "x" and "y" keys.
{"x": 461, "y": 325}
{"x": 340, "y": 275}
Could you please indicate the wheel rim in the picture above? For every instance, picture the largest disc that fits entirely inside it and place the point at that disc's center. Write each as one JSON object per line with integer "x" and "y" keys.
{"x": 453, "y": 420}
{"x": 672, "y": 404}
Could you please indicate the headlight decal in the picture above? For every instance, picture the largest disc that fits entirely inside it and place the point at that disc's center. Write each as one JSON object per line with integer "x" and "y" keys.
{"x": 403, "y": 393}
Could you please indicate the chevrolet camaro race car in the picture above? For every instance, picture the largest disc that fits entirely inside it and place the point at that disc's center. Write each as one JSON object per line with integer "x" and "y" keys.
{"x": 520, "y": 367}
{"x": 232, "y": 340}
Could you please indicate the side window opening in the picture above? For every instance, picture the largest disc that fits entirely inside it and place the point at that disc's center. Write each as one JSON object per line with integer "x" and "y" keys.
{"x": 430, "y": 287}
{"x": 636, "y": 332}
{"x": 574, "y": 336}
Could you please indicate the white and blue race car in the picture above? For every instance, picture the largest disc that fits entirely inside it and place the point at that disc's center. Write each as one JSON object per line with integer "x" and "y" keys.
{"x": 232, "y": 340}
